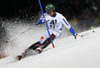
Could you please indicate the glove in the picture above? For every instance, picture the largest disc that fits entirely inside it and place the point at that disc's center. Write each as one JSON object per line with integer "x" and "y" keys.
{"x": 40, "y": 21}
{"x": 76, "y": 36}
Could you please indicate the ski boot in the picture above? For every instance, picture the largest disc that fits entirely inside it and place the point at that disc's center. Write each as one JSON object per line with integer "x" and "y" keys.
{"x": 19, "y": 57}
{"x": 39, "y": 49}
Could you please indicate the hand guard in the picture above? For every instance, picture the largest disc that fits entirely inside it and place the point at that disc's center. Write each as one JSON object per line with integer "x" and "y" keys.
{"x": 76, "y": 36}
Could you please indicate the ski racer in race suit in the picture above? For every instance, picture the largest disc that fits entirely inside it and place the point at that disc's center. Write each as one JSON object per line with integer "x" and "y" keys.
{"x": 54, "y": 21}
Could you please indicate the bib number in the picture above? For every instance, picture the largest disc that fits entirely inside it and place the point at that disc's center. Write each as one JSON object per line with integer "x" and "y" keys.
{"x": 52, "y": 23}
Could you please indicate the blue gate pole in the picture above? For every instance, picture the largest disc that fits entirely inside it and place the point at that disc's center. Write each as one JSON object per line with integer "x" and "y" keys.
{"x": 45, "y": 23}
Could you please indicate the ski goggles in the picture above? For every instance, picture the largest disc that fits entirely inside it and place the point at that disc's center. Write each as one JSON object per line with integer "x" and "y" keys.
{"x": 49, "y": 10}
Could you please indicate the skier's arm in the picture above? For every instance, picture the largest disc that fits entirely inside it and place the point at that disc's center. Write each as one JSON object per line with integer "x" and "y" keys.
{"x": 72, "y": 30}
{"x": 68, "y": 26}
{"x": 41, "y": 20}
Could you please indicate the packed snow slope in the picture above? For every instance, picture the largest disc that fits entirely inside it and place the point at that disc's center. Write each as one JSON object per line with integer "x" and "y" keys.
{"x": 68, "y": 53}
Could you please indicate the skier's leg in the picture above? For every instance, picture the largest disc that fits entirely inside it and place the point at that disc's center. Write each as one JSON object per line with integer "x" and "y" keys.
{"x": 29, "y": 50}
{"x": 45, "y": 43}
{"x": 45, "y": 39}
{"x": 34, "y": 46}
{"x": 48, "y": 41}
{"x": 23, "y": 54}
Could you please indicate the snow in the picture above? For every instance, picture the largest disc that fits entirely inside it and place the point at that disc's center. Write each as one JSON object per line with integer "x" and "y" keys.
{"x": 68, "y": 53}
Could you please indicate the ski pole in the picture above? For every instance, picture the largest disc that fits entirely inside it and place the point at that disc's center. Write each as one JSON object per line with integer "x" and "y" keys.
{"x": 87, "y": 33}
{"x": 46, "y": 23}
{"x": 18, "y": 35}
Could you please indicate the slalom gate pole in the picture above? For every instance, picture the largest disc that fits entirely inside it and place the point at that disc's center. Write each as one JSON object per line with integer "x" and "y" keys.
{"x": 18, "y": 35}
{"x": 46, "y": 23}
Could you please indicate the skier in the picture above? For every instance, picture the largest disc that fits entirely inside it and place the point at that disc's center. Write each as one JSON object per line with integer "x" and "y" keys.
{"x": 54, "y": 21}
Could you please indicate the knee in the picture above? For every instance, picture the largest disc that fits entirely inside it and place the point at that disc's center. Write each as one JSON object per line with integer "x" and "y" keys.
{"x": 53, "y": 36}
{"x": 35, "y": 45}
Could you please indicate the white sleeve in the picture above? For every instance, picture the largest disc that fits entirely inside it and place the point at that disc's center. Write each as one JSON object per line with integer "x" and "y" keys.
{"x": 65, "y": 23}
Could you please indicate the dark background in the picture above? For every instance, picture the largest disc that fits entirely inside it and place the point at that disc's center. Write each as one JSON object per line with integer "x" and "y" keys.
{"x": 69, "y": 8}
{"x": 10, "y": 8}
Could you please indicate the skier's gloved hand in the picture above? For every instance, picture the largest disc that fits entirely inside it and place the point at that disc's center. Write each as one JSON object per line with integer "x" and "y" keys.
{"x": 40, "y": 21}
{"x": 76, "y": 36}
